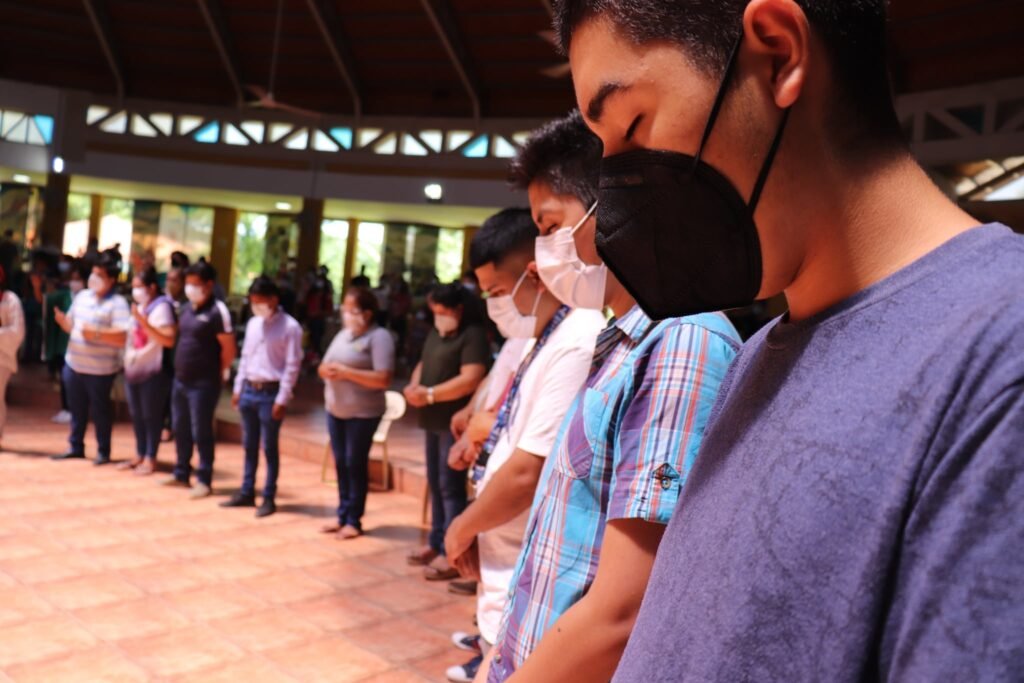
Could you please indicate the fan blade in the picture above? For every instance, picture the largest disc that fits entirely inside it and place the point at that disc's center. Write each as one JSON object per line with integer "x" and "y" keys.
{"x": 548, "y": 36}
{"x": 557, "y": 71}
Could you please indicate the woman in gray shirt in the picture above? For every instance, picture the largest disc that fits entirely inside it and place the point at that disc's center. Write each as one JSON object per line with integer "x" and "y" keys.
{"x": 356, "y": 370}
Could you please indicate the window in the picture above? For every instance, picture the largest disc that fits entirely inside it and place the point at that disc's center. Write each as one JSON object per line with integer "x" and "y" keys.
{"x": 250, "y": 250}
{"x": 450, "y": 247}
{"x": 333, "y": 247}
{"x": 76, "y": 230}
{"x": 116, "y": 226}
{"x": 370, "y": 251}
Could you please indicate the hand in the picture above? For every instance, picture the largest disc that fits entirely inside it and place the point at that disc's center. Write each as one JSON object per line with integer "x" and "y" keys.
{"x": 416, "y": 395}
{"x": 460, "y": 421}
{"x": 480, "y": 426}
{"x": 468, "y": 563}
{"x": 235, "y": 398}
{"x": 457, "y": 540}
{"x": 463, "y": 455}
{"x": 277, "y": 412}
{"x": 140, "y": 318}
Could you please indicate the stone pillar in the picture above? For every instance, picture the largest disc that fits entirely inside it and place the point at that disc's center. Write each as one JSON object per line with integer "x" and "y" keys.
{"x": 95, "y": 215}
{"x": 222, "y": 244}
{"x": 55, "y": 210}
{"x": 310, "y": 220}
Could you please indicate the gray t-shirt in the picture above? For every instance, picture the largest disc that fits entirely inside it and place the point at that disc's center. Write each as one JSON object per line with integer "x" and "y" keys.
{"x": 373, "y": 350}
{"x": 856, "y": 512}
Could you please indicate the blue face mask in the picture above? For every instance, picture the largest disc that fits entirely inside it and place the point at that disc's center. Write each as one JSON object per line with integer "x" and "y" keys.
{"x": 677, "y": 233}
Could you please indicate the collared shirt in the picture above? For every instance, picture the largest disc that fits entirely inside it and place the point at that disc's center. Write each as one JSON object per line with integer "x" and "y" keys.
{"x": 197, "y": 356}
{"x": 623, "y": 452}
{"x": 87, "y": 310}
{"x": 272, "y": 352}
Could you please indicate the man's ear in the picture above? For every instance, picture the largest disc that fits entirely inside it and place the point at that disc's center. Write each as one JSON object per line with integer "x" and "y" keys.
{"x": 779, "y": 34}
{"x": 534, "y": 276}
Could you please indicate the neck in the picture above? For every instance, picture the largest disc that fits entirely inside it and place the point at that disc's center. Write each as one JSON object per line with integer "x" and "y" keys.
{"x": 617, "y": 298}
{"x": 866, "y": 228}
{"x": 546, "y": 310}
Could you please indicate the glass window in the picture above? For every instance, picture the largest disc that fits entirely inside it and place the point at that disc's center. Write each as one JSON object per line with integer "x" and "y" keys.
{"x": 450, "y": 247}
{"x": 250, "y": 250}
{"x": 333, "y": 247}
{"x": 370, "y": 251}
{"x": 76, "y": 230}
{"x": 116, "y": 226}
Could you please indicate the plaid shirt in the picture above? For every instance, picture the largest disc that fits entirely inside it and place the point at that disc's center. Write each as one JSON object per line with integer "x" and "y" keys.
{"x": 623, "y": 452}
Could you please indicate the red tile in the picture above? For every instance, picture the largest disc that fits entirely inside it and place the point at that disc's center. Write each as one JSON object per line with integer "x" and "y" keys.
{"x": 329, "y": 660}
{"x": 269, "y": 629}
{"x": 95, "y": 664}
{"x": 42, "y": 639}
{"x": 400, "y": 640}
{"x": 88, "y": 591}
{"x": 283, "y": 587}
{"x": 146, "y": 617}
{"x": 179, "y": 652}
{"x": 338, "y": 612}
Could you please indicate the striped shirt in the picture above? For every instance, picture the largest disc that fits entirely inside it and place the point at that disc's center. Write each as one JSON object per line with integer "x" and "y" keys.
{"x": 88, "y": 310}
{"x": 623, "y": 452}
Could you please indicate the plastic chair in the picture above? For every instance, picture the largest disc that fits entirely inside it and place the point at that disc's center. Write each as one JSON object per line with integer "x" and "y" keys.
{"x": 395, "y": 407}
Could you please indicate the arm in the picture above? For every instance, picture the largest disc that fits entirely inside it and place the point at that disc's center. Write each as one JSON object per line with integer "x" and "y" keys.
{"x": 585, "y": 644}
{"x": 116, "y": 334}
{"x": 163, "y": 335}
{"x": 228, "y": 350}
{"x": 292, "y": 365}
{"x": 371, "y": 379}
{"x": 413, "y": 392}
{"x": 506, "y": 496}
{"x": 460, "y": 386}
{"x": 382, "y": 353}
{"x": 14, "y": 331}
{"x": 243, "y": 365}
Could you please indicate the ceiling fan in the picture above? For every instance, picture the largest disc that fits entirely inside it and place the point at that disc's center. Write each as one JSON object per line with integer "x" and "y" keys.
{"x": 265, "y": 96}
{"x": 561, "y": 70}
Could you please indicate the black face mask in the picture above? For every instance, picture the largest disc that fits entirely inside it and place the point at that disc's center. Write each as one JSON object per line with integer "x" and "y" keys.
{"x": 676, "y": 232}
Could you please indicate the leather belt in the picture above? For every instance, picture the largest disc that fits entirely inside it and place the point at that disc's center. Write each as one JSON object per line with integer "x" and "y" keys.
{"x": 263, "y": 386}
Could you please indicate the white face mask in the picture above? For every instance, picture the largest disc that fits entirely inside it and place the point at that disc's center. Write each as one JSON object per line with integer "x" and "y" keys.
{"x": 511, "y": 323}
{"x": 97, "y": 284}
{"x": 262, "y": 311}
{"x": 355, "y": 323}
{"x": 573, "y": 282}
{"x": 446, "y": 324}
{"x": 195, "y": 294}
{"x": 140, "y": 295}
{"x": 76, "y": 286}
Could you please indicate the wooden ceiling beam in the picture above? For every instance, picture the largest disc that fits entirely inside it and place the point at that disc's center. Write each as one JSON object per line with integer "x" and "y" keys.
{"x": 213, "y": 15}
{"x": 100, "y": 20}
{"x": 325, "y": 14}
{"x": 442, "y": 18}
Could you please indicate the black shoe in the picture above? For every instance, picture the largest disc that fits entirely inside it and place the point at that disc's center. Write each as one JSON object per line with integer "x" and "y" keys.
{"x": 70, "y": 455}
{"x": 239, "y": 500}
{"x": 462, "y": 587}
{"x": 466, "y": 672}
{"x": 100, "y": 462}
{"x": 266, "y": 508}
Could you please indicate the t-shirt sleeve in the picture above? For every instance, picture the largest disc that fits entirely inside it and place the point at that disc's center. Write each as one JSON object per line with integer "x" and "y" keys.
{"x": 162, "y": 316}
{"x": 225, "y": 318}
{"x": 121, "y": 314}
{"x": 661, "y": 428}
{"x": 559, "y": 383}
{"x": 475, "y": 349}
{"x": 957, "y": 611}
{"x": 382, "y": 350}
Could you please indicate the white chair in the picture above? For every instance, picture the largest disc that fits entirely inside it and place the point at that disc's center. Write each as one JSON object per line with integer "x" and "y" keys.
{"x": 395, "y": 407}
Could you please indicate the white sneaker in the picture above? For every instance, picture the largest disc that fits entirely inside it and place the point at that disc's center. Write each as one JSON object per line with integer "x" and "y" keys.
{"x": 61, "y": 418}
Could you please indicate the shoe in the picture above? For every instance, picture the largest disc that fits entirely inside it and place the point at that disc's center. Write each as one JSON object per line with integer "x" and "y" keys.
{"x": 421, "y": 557}
{"x": 440, "y": 570}
{"x": 174, "y": 481}
{"x": 70, "y": 455}
{"x": 199, "y": 490}
{"x": 240, "y": 500}
{"x": 464, "y": 641}
{"x": 462, "y": 588}
{"x": 465, "y": 673}
{"x": 266, "y": 508}
{"x": 61, "y": 418}
{"x": 100, "y": 462}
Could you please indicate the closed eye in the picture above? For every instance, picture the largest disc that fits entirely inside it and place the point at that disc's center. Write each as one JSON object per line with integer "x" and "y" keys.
{"x": 632, "y": 127}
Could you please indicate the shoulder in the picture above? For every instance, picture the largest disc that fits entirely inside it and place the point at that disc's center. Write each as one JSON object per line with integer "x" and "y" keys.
{"x": 221, "y": 310}
{"x": 379, "y": 335}
{"x": 474, "y": 334}
{"x": 10, "y": 298}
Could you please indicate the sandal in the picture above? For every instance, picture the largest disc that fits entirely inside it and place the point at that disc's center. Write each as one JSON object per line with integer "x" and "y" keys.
{"x": 145, "y": 469}
{"x": 440, "y": 570}
{"x": 422, "y": 557}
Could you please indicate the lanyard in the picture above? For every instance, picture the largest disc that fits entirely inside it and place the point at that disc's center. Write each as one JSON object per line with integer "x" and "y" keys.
{"x": 510, "y": 404}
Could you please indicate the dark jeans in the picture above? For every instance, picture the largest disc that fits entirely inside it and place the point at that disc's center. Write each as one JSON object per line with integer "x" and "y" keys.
{"x": 194, "y": 408}
{"x": 351, "y": 440}
{"x": 89, "y": 396}
{"x": 256, "y": 408}
{"x": 56, "y": 367}
{"x": 146, "y": 403}
{"x": 447, "y": 487}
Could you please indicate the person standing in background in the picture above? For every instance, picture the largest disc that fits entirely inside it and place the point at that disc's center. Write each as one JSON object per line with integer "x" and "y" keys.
{"x": 12, "y": 333}
{"x": 56, "y": 339}
{"x": 267, "y": 373}
{"x": 455, "y": 359}
{"x": 176, "y": 295}
{"x": 202, "y": 361}
{"x": 319, "y": 303}
{"x": 97, "y": 323}
{"x": 356, "y": 370}
{"x": 146, "y": 374}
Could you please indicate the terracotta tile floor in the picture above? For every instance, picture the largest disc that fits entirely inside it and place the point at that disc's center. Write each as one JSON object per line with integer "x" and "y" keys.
{"x": 105, "y": 576}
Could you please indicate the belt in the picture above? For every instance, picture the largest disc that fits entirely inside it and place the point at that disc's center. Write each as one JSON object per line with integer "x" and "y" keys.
{"x": 263, "y": 386}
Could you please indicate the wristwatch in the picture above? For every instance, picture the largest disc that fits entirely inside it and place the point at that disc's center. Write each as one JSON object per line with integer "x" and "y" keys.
{"x": 430, "y": 396}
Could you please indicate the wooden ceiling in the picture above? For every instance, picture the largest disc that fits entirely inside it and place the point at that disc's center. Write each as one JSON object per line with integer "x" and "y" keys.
{"x": 397, "y": 57}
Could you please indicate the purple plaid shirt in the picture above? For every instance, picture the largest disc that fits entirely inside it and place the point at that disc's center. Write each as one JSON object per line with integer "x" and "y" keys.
{"x": 623, "y": 453}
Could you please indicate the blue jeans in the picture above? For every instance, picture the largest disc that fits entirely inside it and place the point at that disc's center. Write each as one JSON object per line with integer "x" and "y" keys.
{"x": 147, "y": 402}
{"x": 447, "y": 487}
{"x": 256, "y": 408}
{"x": 351, "y": 440}
{"x": 194, "y": 409}
{"x": 89, "y": 396}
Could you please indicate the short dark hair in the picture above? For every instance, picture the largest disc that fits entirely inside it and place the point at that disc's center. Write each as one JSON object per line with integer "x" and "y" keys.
{"x": 148, "y": 278}
{"x": 264, "y": 286}
{"x": 565, "y": 155}
{"x": 508, "y": 232}
{"x": 203, "y": 270}
{"x": 364, "y": 298}
{"x": 110, "y": 262}
{"x": 179, "y": 259}
{"x": 853, "y": 32}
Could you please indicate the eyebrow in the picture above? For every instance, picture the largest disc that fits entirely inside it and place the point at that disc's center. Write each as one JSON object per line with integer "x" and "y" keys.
{"x": 595, "y": 110}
